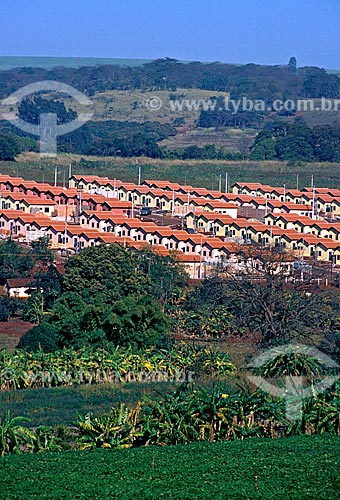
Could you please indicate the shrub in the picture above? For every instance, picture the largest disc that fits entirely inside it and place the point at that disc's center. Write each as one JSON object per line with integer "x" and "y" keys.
{"x": 42, "y": 337}
{"x": 4, "y": 313}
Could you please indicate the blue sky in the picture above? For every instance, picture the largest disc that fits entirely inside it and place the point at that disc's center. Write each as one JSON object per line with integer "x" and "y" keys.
{"x": 239, "y": 31}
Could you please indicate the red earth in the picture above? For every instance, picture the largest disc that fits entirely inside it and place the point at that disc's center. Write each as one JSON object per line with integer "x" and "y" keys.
{"x": 11, "y": 331}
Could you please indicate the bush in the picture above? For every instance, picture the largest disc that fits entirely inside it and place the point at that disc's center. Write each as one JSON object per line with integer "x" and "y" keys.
{"x": 42, "y": 337}
{"x": 4, "y": 313}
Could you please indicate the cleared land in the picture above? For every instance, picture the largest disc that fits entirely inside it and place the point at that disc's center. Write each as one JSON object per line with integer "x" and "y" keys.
{"x": 298, "y": 468}
{"x": 231, "y": 140}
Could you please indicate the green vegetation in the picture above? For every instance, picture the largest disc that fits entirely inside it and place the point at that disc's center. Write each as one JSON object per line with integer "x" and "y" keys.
{"x": 14, "y": 263}
{"x": 275, "y": 309}
{"x": 189, "y": 95}
{"x": 31, "y": 108}
{"x": 189, "y": 414}
{"x": 251, "y": 80}
{"x": 109, "y": 296}
{"x": 198, "y": 173}
{"x": 281, "y": 141}
{"x": 61, "y": 405}
{"x": 24, "y": 369}
{"x": 298, "y": 468}
{"x": 56, "y": 406}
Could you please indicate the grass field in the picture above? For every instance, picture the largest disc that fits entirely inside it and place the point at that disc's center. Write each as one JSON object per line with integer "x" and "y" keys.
{"x": 194, "y": 172}
{"x": 134, "y": 105}
{"x": 298, "y": 468}
{"x": 60, "y": 405}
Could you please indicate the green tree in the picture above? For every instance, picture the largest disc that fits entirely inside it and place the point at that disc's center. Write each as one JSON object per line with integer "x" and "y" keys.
{"x": 292, "y": 65}
{"x": 14, "y": 263}
{"x": 40, "y": 251}
{"x": 41, "y": 337}
{"x": 131, "y": 321}
{"x": 4, "y": 312}
{"x": 136, "y": 321}
{"x": 263, "y": 150}
{"x": 49, "y": 281}
{"x": 9, "y": 148}
{"x": 167, "y": 275}
{"x": 34, "y": 308}
{"x": 107, "y": 270}
{"x": 31, "y": 108}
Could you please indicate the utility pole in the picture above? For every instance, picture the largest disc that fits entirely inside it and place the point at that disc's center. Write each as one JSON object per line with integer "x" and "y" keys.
{"x": 55, "y": 175}
{"x": 312, "y": 183}
{"x": 313, "y": 203}
{"x": 115, "y": 191}
{"x": 69, "y": 173}
{"x": 173, "y": 203}
{"x": 64, "y": 178}
{"x": 220, "y": 184}
{"x": 65, "y": 233}
{"x": 80, "y": 200}
{"x": 139, "y": 172}
{"x": 297, "y": 181}
{"x": 226, "y": 182}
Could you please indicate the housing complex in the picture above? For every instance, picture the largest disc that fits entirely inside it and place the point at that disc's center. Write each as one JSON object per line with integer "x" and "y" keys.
{"x": 205, "y": 228}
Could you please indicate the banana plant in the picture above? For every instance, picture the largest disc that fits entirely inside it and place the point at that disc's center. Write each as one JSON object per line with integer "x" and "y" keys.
{"x": 13, "y": 437}
{"x": 118, "y": 429}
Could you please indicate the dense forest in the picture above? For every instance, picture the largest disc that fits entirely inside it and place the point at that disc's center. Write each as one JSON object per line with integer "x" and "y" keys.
{"x": 282, "y": 141}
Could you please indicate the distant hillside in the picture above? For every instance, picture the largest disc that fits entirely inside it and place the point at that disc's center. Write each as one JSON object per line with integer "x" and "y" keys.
{"x": 9, "y": 62}
{"x": 169, "y": 107}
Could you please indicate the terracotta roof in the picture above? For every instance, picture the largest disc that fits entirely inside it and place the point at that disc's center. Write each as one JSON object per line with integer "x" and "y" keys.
{"x": 20, "y": 282}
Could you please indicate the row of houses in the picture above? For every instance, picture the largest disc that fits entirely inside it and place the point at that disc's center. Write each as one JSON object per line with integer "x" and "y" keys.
{"x": 94, "y": 210}
{"x": 325, "y": 201}
{"x": 97, "y": 193}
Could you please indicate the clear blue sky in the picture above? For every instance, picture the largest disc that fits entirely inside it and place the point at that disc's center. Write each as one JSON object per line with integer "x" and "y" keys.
{"x": 240, "y": 31}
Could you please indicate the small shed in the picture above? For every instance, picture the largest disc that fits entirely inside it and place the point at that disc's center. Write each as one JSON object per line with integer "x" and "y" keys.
{"x": 20, "y": 288}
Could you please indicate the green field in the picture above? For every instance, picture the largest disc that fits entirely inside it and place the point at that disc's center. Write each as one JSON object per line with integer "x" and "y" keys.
{"x": 194, "y": 172}
{"x": 61, "y": 405}
{"x": 298, "y": 468}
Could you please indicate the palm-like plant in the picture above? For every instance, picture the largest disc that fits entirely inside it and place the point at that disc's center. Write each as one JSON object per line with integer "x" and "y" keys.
{"x": 118, "y": 429}
{"x": 13, "y": 437}
{"x": 291, "y": 364}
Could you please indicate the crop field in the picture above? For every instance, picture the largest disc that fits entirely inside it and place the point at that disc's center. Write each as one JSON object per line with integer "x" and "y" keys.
{"x": 298, "y": 468}
{"x": 197, "y": 173}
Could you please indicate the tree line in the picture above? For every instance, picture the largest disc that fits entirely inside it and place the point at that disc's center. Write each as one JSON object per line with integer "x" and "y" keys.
{"x": 251, "y": 80}
{"x": 284, "y": 141}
